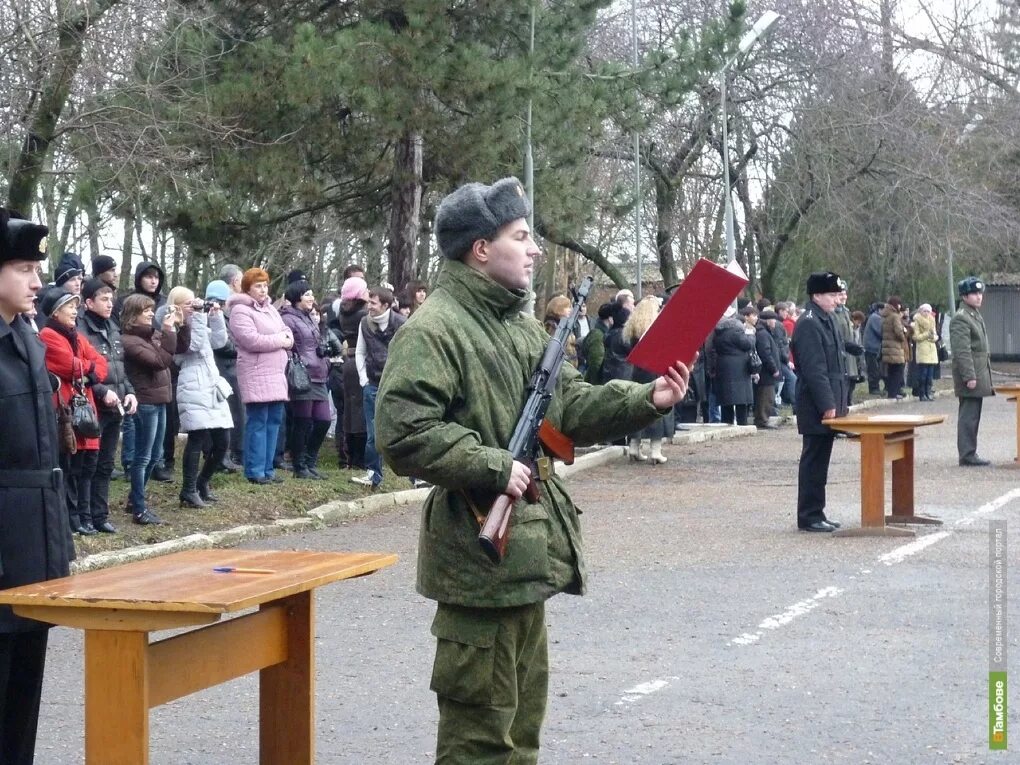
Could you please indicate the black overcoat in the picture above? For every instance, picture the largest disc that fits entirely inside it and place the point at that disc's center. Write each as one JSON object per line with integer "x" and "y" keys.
{"x": 35, "y": 539}
{"x": 821, "y": 370}
{"x": 731, "y": 347}
{"x": 768, "y": 351}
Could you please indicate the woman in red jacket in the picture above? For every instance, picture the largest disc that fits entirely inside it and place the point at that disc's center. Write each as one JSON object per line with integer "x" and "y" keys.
{"x": 72, "y": 359}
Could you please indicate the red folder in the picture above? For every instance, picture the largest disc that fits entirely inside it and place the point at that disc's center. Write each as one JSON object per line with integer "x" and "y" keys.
{"x": 690, "y": 314}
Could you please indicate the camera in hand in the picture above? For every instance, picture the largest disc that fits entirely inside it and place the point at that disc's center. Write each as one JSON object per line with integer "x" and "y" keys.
{"x": 208, "y": 305}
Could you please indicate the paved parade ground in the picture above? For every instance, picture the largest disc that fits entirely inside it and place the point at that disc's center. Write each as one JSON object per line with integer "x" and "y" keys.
{"x": 713, "y": 631}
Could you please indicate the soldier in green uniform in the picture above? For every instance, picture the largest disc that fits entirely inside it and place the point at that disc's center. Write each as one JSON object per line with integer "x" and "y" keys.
{"x": 972, "y": 370}
{"x": 449, "y": 398}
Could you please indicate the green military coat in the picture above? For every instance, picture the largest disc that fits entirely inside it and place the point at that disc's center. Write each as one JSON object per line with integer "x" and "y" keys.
{"x": 968, "y": 341}
{"x": 453, "y": 387}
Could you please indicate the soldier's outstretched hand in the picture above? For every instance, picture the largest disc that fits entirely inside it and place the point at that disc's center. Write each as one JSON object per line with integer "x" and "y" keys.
{"x": 671, "y": 388}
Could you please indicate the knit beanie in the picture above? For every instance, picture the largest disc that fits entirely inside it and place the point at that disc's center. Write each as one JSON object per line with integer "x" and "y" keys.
{"x": 217, "y": 290}
{"x": 70, "y": 266}
{"x": 103, "y": 263}
{"x": 354, "y": 289}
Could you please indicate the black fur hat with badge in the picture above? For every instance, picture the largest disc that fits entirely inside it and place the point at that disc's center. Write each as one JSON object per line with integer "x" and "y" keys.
{"x": 21, "y": 239}
{"x": 476, "y": 211}
{"x": 822, "y": 282}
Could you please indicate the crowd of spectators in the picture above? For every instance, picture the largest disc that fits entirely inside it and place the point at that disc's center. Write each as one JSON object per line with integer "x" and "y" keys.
{"x": 746, "y": 371}
{"x": 255, "y": 384}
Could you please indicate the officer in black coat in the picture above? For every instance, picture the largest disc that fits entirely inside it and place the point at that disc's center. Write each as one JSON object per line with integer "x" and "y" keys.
{"x": 821, "y": 394}
{"x": 35, "y": 540}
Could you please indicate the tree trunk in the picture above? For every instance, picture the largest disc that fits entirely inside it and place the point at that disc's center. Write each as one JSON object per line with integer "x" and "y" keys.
{"x": 92, "y": 221}
{"x": 127, "y": 252}
{"x": 405, "y": 209}
{"x": 72, "y": 25}
{"x": 665, "y": 214}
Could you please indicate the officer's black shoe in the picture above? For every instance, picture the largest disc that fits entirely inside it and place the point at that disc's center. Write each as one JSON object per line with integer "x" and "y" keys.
{"x": 834, "y": 524}
{"x": 106, "y": 527}
{"x": 974, "y": 461}
{"x": 820, "y": 526}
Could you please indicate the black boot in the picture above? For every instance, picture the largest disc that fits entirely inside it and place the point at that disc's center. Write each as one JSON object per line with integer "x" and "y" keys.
{"x": 208, "y": 468}
{"x": 189, "y": 489}
{"x": 319, "y": 430}
{"x": 164, "y": 472}
{"x": 301, "y": 429}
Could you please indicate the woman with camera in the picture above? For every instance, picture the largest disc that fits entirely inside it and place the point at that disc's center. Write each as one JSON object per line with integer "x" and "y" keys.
{"x": 79, "y": 366}
{"x": 201, "y": 395}
{"x": 310, "y": 409}
{"x": 148, "y": 357}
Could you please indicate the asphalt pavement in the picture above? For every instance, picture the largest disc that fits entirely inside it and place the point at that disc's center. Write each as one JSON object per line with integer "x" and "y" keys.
{"x": 713, "y": 632}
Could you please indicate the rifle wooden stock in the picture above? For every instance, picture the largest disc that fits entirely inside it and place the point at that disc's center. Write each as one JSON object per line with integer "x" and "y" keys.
{"x": 555, "y": 443}
{"x": 495, "y": 531}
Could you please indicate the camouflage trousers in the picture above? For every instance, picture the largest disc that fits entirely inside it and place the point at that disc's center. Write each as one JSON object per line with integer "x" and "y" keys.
{"x": 491, "y": 677}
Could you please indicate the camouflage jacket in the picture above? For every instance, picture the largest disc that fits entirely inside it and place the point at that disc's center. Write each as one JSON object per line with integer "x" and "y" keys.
{"x": 450, "y": 395}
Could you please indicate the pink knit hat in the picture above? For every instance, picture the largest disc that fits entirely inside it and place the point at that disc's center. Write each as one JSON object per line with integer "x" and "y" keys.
{"x": 354, "y": 289}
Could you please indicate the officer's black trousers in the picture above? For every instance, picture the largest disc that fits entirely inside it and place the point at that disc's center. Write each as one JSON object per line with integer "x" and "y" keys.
{"x": 812, "y": 477}
{"x": 22, "y": 660}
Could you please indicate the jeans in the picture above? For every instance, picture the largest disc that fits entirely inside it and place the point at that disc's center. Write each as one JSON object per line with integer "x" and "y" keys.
{"x": 100, "y": 504}
{"x": 261, "y": 431}
{"x": 788, "y": 391}
{"x": 372, "y": 459}
{"x": 127, "y": 446}
{"x": 150, "y": 428}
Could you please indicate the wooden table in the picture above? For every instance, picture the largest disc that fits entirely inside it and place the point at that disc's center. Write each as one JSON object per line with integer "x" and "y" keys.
{"x": 126, "y": 675}
{"x": 1012, "y": 393}
{"x": 886, "y": 438}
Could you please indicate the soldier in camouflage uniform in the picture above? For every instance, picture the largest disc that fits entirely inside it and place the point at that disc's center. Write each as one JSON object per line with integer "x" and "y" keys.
{"x": 448, "y": 401}
{"x": 972, "y": 370}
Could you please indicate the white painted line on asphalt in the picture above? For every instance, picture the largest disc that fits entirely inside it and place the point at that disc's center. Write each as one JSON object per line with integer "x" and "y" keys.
{"x": 990, "y": 507}
{"x": 781, "y": 620}
{"x": 643, "y": 689}
{"x": 903, "y": 552}
{"x": 891, "y": 558}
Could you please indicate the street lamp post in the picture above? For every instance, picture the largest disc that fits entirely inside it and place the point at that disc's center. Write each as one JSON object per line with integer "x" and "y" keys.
{"x": 761, "y": 26}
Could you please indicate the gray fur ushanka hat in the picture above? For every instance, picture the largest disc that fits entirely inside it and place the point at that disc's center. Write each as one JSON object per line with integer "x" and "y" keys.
{"x": 476, "y": 211}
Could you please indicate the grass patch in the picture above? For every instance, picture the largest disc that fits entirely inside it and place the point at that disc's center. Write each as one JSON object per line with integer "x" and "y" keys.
{"x": 240, "y": 503}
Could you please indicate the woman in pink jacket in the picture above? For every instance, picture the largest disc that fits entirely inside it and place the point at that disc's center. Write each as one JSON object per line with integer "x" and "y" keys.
{"x": 263, "y": 342}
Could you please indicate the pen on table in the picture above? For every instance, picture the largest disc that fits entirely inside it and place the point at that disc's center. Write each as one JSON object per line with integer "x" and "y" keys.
{"x": 241, "y": 570}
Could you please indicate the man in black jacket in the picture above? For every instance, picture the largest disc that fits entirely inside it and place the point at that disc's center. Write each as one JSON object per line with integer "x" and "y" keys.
{"x": 36, "y": 541}
{"x": 821, "y": 394}
{"x": 115, "y": 396}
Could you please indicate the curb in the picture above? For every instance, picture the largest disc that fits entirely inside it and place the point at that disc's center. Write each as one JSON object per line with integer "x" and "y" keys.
{"x": 338, "y": 512}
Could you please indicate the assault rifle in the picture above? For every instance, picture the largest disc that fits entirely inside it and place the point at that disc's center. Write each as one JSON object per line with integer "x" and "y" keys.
{"x": 532, "y": 429}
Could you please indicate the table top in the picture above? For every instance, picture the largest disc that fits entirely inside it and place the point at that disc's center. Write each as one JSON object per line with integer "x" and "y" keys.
{"x": 883, "y": 423}
{"x": 1010, "y": 389}
{"x": 185, "y": 581}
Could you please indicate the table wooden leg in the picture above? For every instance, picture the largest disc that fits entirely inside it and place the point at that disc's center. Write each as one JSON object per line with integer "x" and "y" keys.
{"x": 903, "y": 481}
{"x": 1016, "y": 407}
{"x": 872, "y": 480}
{"x": 116, "y": 698}
{"x": 287, "y": 691}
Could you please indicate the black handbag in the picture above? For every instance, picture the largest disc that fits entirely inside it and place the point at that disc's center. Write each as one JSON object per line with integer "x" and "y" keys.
{"x": 941, "y": 350}
{"x": 753, "y": 362}
{"x": 84, "y": 418}
{"x": 298, "y": 380}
